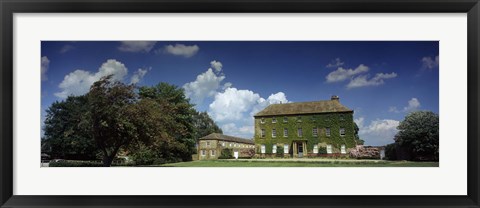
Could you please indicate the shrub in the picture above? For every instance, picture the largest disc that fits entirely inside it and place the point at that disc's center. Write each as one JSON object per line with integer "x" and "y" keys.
{"x": 322, "y": 151}
{"x": 226, "y": 154}
{"x": 391, "y": 152}
{"x": 246, "y": 153}
{"x": 279, "y": 151}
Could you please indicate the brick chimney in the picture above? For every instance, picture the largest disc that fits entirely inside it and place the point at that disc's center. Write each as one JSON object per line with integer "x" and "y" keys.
{"x": 334, "y": 97}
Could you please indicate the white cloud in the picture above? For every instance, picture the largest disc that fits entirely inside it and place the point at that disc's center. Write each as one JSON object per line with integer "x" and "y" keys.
{"x": 45, "y": 63}
{"x": 217, "y": 65}
{"x": 233, "y": 110}
{"x": 206, "y": 85}
{"x": 232, "y": 104}
{"x": 429, "y": 62}
{"x": 66, "y": 48}
{"x": 413, "y": 104}
{"x": 335, "y": 63}
{"x": 138, "y": 75}
{"x": 363, "y": 81}
{"x": 181, "y": 50}
{"x": 233, "y": 130}
{"x": 378, "y": 132}
{"x": 79, "y": 81}
{"x": 343, "y": 74}
{"x": 136, "y": 46}
{"x": 227, "y": 85}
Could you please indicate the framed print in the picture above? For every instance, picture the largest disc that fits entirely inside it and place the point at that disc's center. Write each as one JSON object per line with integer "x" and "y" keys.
{"x": 246, "y": 104}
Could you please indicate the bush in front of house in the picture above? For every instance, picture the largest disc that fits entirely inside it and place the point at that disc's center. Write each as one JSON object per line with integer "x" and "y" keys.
{"x": 279, "y": 151}
{"x": 226, "y": 154}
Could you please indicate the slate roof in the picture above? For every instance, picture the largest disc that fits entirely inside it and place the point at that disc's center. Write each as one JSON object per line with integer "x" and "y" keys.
{"x": 314, "y": 107}
{"x": 217, "y": 136}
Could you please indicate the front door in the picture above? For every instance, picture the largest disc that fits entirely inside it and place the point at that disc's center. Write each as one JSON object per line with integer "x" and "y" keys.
{"x": 300, "y": 149}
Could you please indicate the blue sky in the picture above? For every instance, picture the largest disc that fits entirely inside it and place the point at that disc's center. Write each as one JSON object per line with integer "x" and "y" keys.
{"x": 381, "y": 81}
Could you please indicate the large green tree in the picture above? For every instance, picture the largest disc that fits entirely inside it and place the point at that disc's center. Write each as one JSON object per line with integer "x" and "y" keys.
{"x": 179, "y": 112}
{"x": 419, "y": 134}
{"x": 358, "y": 141}
{"x": 67, "y": 130}
{"x": 114, "y": 116}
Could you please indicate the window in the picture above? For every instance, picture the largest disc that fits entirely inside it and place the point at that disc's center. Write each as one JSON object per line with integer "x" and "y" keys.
{"x": 223, "y": 144}
{"x": 329, "y": 149}
{"x": 300, "y": 132}
{"x": 327, "y": 132}
{"x": 342, "y": 131}
{"x": 285, "y": 132}
{"x": 315, "y": 149}
{"x": 263, "y": 133}
{"x": 285, "y": 148}
{"x": 285, "y": 119}
{"x": 231, "y": 144}
{"x": 208, "y": 144}
{"x": 342, "y": 117}
{"x": 299, "y": 119}
{"x": 315, "y": 132}
{"x": 274, "y": 149}
{"x": 262, "y": 120}
{"x": 212, "y": 152}
{"x": 274, "y": 120}
{"x": 314, "y": 118}
{"x": 204, "y": 152}
{"x": 343, "y": 150}
{"x": 274, "y": 132}
{"x": 263, "y": 149}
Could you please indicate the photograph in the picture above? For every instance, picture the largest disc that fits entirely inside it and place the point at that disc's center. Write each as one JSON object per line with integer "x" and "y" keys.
{"x": 167, "y": 103}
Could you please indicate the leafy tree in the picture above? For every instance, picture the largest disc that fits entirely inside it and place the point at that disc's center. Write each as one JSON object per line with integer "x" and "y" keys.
{"x": 113, "y": 112}
{"x": 419, "y": 134}
{"x": 180, "y": 112}
{"x": 67, "y": 130}
{"x": 358, "y": 141}
{"x": 204, "y": 125}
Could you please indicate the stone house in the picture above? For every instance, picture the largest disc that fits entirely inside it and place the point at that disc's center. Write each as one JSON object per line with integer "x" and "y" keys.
{"x": 305, "y": 129}
{"x": 209, "y": 147}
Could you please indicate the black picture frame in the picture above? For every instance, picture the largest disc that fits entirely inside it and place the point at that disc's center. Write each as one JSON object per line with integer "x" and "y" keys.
{"x": 10, "y": 7}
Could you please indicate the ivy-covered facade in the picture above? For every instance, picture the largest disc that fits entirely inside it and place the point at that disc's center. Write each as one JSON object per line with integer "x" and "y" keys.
{"x": 304, "y": 129}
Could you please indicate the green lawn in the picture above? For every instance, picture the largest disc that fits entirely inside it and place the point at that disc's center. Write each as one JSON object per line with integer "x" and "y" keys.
{"x": 301, "y": 163}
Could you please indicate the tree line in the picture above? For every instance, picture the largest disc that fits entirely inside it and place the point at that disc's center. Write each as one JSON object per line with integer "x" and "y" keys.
{"x": 156, "y": 124}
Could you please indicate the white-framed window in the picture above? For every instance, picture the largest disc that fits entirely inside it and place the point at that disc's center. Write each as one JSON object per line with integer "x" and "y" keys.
{"x": 262, "y": 120}
{"x": 299, "y": 119}
{"x": 300, "y": 132}
{"x": 263, "y": 133}
{"x": 223, "y": 144}
{"x": 315, "y": 148}
{"x": 212, "y": 152}
{"x": 329, "y": 149}
{"x": 343, "y": 150}
{"x": 263, "y": 149}
{"x": 342, "y": 131}
{"x": 327, "y": 132}
{"x": 285, "y": 132}
{"x": 315, "y": 132}
{"x": 208, "y": 144}
{"x": 285, "y": 119}
{"x": 274, "y": 149}
{"x": 204, "y": 152}
{"x": 274, "y": 120}
{"x": 274, "y": 132}
{"x": 285, "y": 148}
{"x": 231, "y": 144}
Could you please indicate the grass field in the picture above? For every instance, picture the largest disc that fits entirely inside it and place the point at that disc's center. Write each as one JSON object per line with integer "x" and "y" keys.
{"x": 301, "y": 163}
